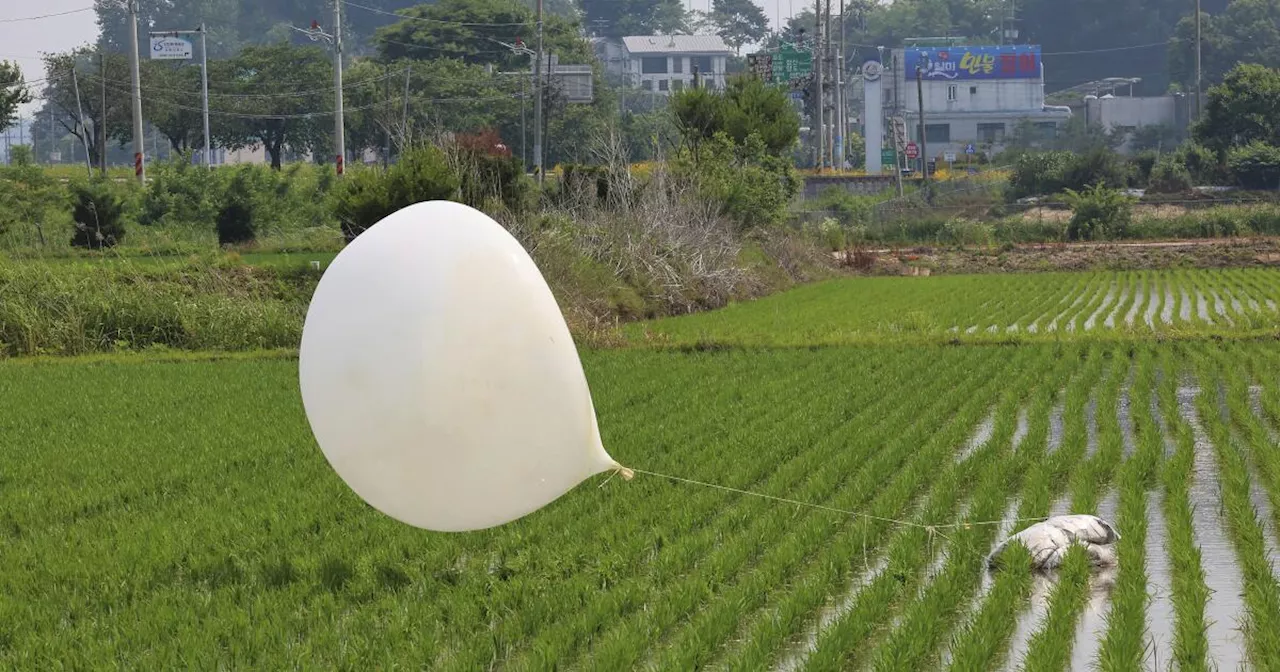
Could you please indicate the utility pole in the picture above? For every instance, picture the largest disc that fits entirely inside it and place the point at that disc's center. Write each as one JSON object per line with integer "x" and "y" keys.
{"x": 830, "y": 129}
{"x": 139, "y": 148}
{"x": 102, "y": 116}
{"x": 1198, "y": 80}
{"x": 339, "y": 139}
{"x": 924, "y": 148}
{"x": 386, "y": 131}
{"x": 204, "y": 94}
{"x": 842, "y": 108}
{"x": 819, "y": 126}
{"x": 84, "y": 130}
{"x": 408, "y": 71}
{"x": 537, "y": 103}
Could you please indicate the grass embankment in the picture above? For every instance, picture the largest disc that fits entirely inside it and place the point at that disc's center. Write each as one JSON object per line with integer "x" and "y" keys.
{"x": 81, "y": 304}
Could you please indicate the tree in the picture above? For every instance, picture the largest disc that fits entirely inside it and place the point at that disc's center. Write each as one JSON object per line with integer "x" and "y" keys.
{"x": 755, "y": 108}
{"x": 445, "y": 95}
{"x": 1248, "y": 31}
{"x": 223, "y": 18}
{"x": 747, "y": 108}
{"x": 285, "y": 103}
{"x": 739, "y": 22}
{"x": 469, "y": 30}
{"x": 698, "y": 114}
{"x": 13, "y": 92}
{"x": 171, "y": 103}
{"x": 475, "y": 31}
{"x": 90, "y": 77}
{"x": 618, "y": 18}
{"x": 1242, "y": 109}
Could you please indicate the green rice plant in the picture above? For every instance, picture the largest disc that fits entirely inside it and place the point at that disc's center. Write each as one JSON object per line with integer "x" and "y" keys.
{"x": 717, "y": 620}
{"x": 1261, "y": 590}
{"x": 982, "y": 642}
{"x": 1124, "y": 647}
{"x": 1050, "y": 647}
{"x": 926, "y": 622}
{"x": 1190, "y": 594}
{"x": 842, "y": 643}
{"x": 624, "y": 639}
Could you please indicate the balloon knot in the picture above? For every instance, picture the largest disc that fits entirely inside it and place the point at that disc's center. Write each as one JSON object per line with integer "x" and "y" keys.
{"x": 626, "y": 473}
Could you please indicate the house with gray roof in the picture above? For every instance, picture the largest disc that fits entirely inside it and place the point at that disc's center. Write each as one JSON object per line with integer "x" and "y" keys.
{"x": 666, "y": 63}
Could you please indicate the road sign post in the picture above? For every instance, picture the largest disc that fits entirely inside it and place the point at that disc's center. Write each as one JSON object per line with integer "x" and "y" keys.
{"x": 169, "y": 46}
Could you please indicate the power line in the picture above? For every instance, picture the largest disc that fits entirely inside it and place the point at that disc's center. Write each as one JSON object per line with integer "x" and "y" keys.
{"x": 442, "y": 50}
{"x": 284, "y": 94}
{"x": 47, "y": 16}
{"x": 434, "y": 21}
{"x": 324, "y": 113}
{"x": 1110, "y": 49}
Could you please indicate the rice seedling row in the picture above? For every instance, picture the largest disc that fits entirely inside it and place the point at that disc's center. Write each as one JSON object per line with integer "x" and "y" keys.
{"x": 1103, "y": 305}
{"x": 842, "y": 642}
{"x": 699, "y": 639}
{"x": 824, "y": 471}
{"x": 916, "y": 642}
{"x": 1124, "y": 646}
{"x": 1261, "y": 592}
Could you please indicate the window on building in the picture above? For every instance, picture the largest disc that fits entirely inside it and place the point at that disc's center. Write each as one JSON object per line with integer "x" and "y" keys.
{"x": 937, "y": 132}
{"x": 677, "y": 64}
{"x": 653, "y": 65}
{"x": 677, "y": 84}
{"x": 662, "y": 85}
{"x": 647, "y": 85}
{"x": 973, "y": 90}
{"x": 702, "y": 63}
{"x": 951, "y": 93}
{"x": 1046, "y": 129}
{"x": 991, "y": 133}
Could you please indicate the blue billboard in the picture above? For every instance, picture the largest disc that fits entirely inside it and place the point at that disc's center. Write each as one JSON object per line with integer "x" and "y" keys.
{"x": 970, "y": 63}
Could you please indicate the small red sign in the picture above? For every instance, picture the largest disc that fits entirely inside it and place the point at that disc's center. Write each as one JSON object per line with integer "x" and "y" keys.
{"x": 913, "y": 150}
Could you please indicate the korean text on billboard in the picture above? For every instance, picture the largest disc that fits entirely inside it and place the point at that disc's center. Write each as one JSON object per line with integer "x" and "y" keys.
{"x": 962, "y": 63}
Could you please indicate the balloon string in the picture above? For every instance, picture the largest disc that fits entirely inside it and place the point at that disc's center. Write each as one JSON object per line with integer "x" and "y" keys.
{"x": 859, "y": 514}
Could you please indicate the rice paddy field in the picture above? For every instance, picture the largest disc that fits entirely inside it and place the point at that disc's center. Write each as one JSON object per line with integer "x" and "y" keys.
{"x": 176, "y": 513}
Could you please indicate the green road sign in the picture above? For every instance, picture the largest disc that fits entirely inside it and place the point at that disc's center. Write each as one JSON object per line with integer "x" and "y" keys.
{"x": 887, "y": 156}
{"x": 789, "y": 64}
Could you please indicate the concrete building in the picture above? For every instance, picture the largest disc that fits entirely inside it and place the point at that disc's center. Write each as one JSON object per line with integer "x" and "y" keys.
{"x": 665, "y": 63}
{"x": 1127, "y": 114}
{"x": 972, "y": 95}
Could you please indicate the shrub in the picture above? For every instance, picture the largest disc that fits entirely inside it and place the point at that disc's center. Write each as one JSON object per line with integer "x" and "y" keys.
{"x": 235, "y": 221}
{"x": 749, "y": 185}
{"x": 1201, "y": 163}
{"x": 1141, "y": 166}
{"x": 1098, "y": 213}
{"x": 1099, "y": 166}
{"x": 370, "y": 194}
{"x": 1169, "y": 176}
{"x": 28, "y": 194}
{"x": 487, "y": 171}
{"x": 849, "y": 208}
{"x": 1037, "y": 173}
{"x": 1255, "y": 165}
{"x": 177, "y": 191}
{"x": 98, "y": 212}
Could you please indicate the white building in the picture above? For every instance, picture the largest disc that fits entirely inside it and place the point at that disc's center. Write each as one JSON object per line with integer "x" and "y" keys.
{"x": 972, "y": 95}
{"x": 665, "y": 63}
{"x": 1127, "y": 114}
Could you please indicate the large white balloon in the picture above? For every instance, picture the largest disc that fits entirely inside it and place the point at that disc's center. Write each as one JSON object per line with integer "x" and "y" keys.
{"x": 439, "y": 376}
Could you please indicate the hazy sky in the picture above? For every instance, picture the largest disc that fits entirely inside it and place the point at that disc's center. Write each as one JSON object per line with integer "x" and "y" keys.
{"x": 24, "y": 41}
